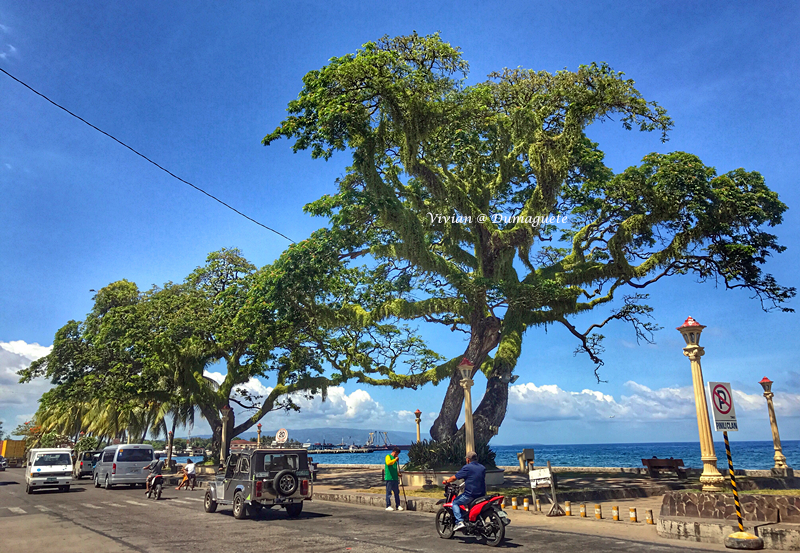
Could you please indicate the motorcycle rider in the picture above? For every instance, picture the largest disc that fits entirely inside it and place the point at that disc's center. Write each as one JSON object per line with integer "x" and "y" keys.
{"x": 474, "y": 476}
{"x": 155, "y": 466}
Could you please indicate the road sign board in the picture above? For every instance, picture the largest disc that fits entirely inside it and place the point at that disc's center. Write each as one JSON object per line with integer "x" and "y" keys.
{"x": 540, "y": 478}
{"x": 281, "y": 436}
{"x": 722, "y": 408}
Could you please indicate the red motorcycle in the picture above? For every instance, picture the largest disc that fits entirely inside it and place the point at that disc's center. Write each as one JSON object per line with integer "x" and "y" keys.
{"x": 484, "y": 517}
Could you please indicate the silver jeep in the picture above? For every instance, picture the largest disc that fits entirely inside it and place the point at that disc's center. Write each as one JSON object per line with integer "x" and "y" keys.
{"x": 261, "y": 479}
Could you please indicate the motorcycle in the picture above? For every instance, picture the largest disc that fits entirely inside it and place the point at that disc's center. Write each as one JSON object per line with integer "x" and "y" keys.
{"x": 156, "y": 487}
{"x": 484, "y": 517}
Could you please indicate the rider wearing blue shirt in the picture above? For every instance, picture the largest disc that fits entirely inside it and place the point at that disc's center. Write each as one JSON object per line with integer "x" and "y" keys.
{"x": 474, "y": 476}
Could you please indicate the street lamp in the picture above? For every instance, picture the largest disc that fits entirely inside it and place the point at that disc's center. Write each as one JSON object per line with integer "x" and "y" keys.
{"x": 226, "y": 413}
{"x": 466, "y": 367}
{"x": 418, "y": 414}
{"x": 780, "y": 458}
{"x": 711, "y": 477}
{"x": 259, "y": 434}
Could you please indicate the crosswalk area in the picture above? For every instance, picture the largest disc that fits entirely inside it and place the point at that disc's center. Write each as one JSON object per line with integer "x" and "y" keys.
{"x": 187, "y": 502}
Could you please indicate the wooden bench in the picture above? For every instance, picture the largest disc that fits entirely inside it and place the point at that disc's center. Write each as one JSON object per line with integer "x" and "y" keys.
{"x": 655, "y": 464}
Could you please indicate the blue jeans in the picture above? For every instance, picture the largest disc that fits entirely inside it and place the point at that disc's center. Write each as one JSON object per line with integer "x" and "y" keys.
{"x": 392, "y": 486}
{"x": 462, "y": 499}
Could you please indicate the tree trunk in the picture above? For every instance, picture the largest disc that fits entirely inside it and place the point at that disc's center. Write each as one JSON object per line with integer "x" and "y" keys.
{"x": 491, "y": 412}
{"x": 484, "y": 337}
{"x": 171, "y": 437}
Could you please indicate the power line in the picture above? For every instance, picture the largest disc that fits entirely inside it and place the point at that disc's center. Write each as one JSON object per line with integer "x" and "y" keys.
{"x": 145, "y": 157}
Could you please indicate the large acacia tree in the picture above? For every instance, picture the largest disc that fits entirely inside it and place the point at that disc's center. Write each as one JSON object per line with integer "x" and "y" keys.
{"x": 434, "y": 161}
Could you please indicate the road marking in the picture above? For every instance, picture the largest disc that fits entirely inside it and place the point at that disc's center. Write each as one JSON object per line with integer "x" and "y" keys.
{"x": 91, "y": 506}
{"x": 136, "y": 503}
{"x": 193, "y": 498}
{"x": 17, "y": 510}
{"x": 112, "y": 504}
{"x": 42, "y": 508}
{"x": 179, "y": 501}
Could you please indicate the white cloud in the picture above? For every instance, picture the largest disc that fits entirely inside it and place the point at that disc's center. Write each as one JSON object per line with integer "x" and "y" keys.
{"x": 528, "y": 402}
{"x": 19, "y": 401}
{"x": 4, "y": 28}
{"x": 253, "y": 386}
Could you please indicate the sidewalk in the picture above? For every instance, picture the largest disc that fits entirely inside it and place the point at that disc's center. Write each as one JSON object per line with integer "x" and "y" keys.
{"x": 363, "y": 486}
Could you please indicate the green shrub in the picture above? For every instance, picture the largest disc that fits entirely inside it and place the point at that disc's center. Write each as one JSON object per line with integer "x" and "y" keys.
{"x": 446, "y": 455}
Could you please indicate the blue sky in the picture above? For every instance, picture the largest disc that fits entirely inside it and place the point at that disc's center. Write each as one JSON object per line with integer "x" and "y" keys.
{"x": 195, "y": 86}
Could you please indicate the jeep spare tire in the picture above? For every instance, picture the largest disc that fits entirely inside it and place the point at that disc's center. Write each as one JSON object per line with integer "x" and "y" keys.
{"x": 285, "y": 483}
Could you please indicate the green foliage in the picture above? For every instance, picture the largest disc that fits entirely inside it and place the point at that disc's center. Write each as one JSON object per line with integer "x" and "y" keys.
{"x": 87, "y": 443}
{"x": 435, "y": 161}
{"x": 53, "y": 439}
{"x": 446, "y": 455}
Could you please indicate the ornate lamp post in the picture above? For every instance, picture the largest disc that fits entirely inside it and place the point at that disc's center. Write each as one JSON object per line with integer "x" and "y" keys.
{"x": 223, "y": 449}
{"x": 780, "y": 458}
{"x": 418, "y": 414}
{"x": 465, "y": 367}
{"x": 711, "y": 478}
{"x": 259, "y": 434}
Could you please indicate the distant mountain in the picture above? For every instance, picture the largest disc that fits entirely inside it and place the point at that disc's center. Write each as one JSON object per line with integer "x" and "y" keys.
{"x": 355, "y": 436}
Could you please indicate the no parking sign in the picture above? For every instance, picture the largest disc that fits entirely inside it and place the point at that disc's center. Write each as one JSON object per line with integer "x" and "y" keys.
{"x": 722, "y": 407}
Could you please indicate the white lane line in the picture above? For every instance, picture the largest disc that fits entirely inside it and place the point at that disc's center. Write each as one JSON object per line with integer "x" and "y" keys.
{"x": 112, "y": 504}
{"x": 179, "y": 501}
{"x": 193, "y": 499}
{"x": 135, "y": 503}
{"x": 42, "y": 508}
{"x": 17, "y": 510}
{"x": 91, "y": 506}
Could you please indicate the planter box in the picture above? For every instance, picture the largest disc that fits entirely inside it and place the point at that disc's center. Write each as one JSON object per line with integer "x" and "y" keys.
{"x": 494, "y": 477}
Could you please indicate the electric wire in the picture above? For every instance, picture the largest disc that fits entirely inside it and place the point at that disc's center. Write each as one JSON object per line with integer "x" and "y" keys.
{"x": 146, "y": 158}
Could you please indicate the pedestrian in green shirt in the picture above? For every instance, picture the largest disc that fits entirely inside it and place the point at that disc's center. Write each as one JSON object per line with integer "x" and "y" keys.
{"x": 392, "y": 477}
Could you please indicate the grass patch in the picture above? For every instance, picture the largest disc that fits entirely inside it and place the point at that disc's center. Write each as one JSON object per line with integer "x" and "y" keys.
{"x": 771, "y": 492}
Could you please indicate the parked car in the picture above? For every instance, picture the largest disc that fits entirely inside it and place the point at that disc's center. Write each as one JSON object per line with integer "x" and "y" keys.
{"x": 3, "y": 463}
{"x": 48, "y": 468}
{"x": 262, "y": 479}
{"x": 122, "y": 464}
{"x": 85, "y": 463}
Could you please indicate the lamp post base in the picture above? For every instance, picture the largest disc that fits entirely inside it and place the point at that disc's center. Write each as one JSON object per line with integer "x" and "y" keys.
{"x": 711, "y": 479}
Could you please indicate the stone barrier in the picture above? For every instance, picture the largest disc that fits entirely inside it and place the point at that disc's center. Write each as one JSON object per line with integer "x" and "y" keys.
{"x": 755, "y": 508}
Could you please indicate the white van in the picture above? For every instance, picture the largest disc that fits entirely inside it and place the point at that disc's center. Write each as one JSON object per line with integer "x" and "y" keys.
{"x": 123, "y": 464}
{"x": 48, "y": 468}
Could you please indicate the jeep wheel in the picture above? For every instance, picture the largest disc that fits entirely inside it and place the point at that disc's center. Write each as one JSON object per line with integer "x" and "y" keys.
{"x": 239, "y": 508}
{"x": 285, "y": 483}
{"x": 208, "y": 503}
{"x": 294, "y": 509}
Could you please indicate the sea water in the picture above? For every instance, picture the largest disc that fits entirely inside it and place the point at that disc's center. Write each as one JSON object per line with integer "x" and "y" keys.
{"x": 746, "y": 455}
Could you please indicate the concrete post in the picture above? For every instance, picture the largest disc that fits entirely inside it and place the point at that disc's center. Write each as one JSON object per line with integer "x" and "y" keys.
{"x": 259, "y": 434}
{"x": 711, "y": 479}
{"x": 780, "y": 458}
{"x": 223, "y": 448}
{"x": 418, "y": 415}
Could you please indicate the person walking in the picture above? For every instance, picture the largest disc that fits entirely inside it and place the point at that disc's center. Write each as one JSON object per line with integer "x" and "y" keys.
{"x": 474, "y": 476}
{"x": 391, "y": 475}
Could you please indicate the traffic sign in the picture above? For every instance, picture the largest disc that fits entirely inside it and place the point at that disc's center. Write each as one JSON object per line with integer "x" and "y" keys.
{"x": 282, "y": 436}
{"x": 722, "y": 408}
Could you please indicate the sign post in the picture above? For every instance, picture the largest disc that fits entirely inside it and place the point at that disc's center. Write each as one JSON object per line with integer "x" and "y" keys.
{"x": 724, "y": 415}
{"x": 542, "y": 478}
{"x": 281, "y": 436}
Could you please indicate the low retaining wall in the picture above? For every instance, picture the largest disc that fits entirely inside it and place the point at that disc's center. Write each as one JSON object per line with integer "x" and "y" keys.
{"x": 755, "y": 508}
{"x": 785, "y": 537}
{"x": 494, "y": 477}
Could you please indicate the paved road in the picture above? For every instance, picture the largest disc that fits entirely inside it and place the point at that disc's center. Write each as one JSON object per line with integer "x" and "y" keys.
{"x": 123, "y": 520}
